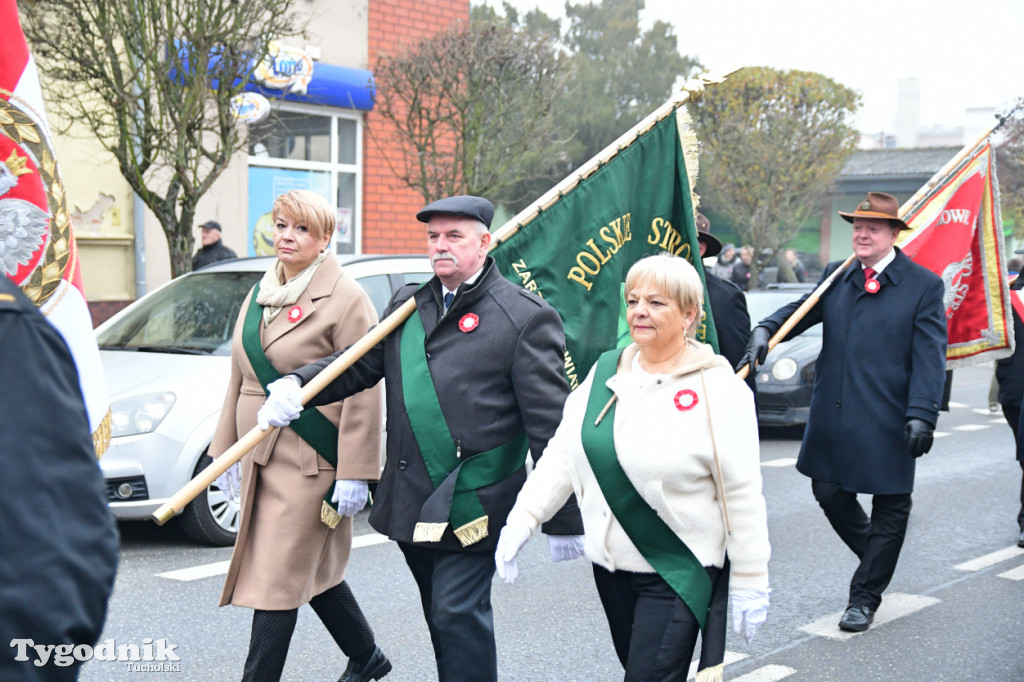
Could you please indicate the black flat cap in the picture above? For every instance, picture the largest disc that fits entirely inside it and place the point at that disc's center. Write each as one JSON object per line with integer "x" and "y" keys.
{"x": 477, "y": 208}
{"x": 211, "y": 225}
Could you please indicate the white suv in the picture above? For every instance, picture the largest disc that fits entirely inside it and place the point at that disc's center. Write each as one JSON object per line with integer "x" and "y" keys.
{"x": 167, "y": 362}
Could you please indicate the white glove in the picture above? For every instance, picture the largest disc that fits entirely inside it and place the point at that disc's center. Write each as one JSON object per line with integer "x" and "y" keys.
{"x": 230, "y": 482}
{"x": 565, "y": 547}
{"x": 350, "y": 496}
{"x": 510, "y": 541}
{"x": 749, "y": 611}
{"x": 283, "y": 404}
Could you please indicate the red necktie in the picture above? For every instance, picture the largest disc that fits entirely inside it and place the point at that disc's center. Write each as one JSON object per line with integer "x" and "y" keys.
{"x": 871, "y": 284}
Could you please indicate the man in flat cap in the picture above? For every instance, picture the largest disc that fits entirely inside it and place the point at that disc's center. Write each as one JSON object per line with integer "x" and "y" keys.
{"x": 213, "y": 248}
{"x": 474, "y": 378}
{"x": 876, "y": 394}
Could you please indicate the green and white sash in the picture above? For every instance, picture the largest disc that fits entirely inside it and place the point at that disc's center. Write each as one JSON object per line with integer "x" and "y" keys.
{"x": 312, "y": 426}
{"x": 658, "y": 543}
{"x": 454, "y": 500}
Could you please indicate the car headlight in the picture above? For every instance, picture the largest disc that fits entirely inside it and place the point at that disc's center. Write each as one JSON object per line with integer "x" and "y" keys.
{"x": 139, "y": 413}
{"x": 784, "y": 369}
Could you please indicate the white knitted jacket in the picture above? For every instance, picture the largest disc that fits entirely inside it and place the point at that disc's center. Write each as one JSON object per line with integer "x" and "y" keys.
{"x": 667, "y": 450}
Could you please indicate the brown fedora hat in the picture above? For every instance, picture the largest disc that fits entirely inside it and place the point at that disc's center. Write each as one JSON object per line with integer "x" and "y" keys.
{"x": 877, "y": 205}
{"x": 713, "y": 247}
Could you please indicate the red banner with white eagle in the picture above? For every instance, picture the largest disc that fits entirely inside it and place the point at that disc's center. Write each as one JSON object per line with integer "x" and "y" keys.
{"x": 957, "y": 233}
{"x": 37, "y": 246}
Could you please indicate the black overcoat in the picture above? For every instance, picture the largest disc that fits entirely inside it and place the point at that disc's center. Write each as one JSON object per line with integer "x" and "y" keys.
{"x": 732, "y": 321}
{"x": 58, "y": 541}
{"x": 503, "y": 377}
{"x": 882, "y": 362}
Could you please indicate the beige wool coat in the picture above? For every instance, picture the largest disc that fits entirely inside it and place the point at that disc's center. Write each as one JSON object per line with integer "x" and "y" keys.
{"x": 284, "y": 554}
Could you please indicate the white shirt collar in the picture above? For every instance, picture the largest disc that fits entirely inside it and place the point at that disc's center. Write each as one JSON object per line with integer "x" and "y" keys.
{"x": 881, "y": 264}
{"x": 469, "y": 280}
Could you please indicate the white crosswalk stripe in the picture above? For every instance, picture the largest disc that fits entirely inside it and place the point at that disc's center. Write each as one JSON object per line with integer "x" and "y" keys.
{"x": 768, "y": 673}
{"x": 729, "y": 657}
{"x": 894, "y": 606}
{"x": 780, "y": 462}
{"x": 221, "y": 567}
{"x": 990, "y": 559}
{"x": 971, "y": 427}
{"x": 1013, "y": 574}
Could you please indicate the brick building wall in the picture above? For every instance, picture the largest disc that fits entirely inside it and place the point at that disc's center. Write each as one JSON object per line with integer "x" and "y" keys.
{"x": 389, "y": 207}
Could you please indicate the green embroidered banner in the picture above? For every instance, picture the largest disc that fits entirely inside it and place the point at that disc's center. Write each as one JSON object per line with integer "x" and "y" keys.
{"x": 658, "y": 543}
{"x": 576, "y": 253}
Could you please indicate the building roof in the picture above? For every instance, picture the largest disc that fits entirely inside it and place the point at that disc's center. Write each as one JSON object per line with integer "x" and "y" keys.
{"x": 892, "y": 162}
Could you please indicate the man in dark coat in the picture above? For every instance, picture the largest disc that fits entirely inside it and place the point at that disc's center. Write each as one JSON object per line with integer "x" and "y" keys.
{"x": 493, "y": 354}
{"x": 876, "y": 394}
{"x": 59, "y": 540}
{"x": 728, "y": 304}
{"x": 1010, "y": 373}
{"x": 213, "y": 249}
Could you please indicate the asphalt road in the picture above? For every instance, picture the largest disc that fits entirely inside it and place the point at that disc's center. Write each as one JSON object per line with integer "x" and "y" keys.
{"x": 954, "y": 611}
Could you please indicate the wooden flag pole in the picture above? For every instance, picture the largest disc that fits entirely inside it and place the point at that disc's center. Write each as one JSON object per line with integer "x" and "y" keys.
{"x": 205, "y": 478}
{"x": 910, "y": 203}
{"x": 691, "y": 91}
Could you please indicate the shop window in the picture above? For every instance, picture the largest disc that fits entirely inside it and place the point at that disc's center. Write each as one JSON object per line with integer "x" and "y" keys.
{"x": 306, "y": 148}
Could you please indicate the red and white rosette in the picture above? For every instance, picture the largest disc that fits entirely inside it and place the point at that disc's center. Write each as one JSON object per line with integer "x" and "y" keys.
{"x": 685, "y": 400}
{"x": 872, "y": 286}
{"x": 295, "y": 314}
{"x": 469, "y": 322}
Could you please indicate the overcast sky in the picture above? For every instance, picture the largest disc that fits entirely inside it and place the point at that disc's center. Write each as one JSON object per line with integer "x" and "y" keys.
{"x": 966, "y": 54}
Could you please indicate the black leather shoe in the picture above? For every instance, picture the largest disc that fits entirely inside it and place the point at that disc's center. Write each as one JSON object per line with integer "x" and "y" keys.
{"x": 857, "y": 618}
{"x": 1020, "y": 540}
{"x": 377, "y": 667}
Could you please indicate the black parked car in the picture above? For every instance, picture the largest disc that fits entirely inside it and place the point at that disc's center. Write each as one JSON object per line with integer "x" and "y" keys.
{"x": 785, "y": 381}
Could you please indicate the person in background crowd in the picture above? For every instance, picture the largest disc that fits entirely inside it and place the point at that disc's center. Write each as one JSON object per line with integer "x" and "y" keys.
{"x": 723, "y": 264}
{"x": 475, "y": 378}
{"x": 799, "y": 271}
{"x": 1010, "y": 377}
{"x": 876, "y": 394}
{"x": 301, "y": 486}
{"x": 728, "y": 304}
{"x": 660, "y": 446}
{"x": 212, "y": 249}
{"x": 59, "y": 541}
{"x": 741, "y": 270}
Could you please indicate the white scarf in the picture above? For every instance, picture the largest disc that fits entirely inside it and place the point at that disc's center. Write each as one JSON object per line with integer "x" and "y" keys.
{"x": 274, "y": 295}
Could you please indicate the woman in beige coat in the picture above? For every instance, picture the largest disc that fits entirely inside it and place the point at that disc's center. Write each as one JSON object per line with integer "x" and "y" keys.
{"x": 300, "y": 492}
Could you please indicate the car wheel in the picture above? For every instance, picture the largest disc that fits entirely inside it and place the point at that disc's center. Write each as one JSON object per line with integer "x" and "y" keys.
{"x": 211, "y": 518}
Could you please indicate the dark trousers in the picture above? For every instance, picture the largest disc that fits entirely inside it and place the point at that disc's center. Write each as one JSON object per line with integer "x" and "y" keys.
{"x": 272, "y": 633}
{"x": 1012, "y": 414}
{"x": 876, "y": 541}
{"x": 455, "y": 590}
{"x": 653, "y": 631}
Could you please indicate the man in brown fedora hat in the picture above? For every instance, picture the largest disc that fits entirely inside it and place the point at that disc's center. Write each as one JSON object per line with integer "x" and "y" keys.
{"x": 876, "y": 394}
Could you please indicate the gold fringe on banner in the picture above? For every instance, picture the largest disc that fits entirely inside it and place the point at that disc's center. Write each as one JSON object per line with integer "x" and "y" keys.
{"x": 713, "y": 674}
{"x": 329, "y": 515}
{"x": 101, "y": 436}
{"x": 428, "y": 532}
{"x": 474, "y": 531}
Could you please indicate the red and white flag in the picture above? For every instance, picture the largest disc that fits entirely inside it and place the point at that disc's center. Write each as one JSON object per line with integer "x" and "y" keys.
{"x": 37, "y": 246}
{"x": 957, "y": 233}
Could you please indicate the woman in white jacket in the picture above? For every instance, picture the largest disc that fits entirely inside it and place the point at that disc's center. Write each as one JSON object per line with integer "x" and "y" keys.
{"x": 660, "y": 446}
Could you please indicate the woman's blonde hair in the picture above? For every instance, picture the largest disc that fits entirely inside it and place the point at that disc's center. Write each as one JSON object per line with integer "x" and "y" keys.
{"x": 306, "y": 208}
{"x": 672, "y": 276}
